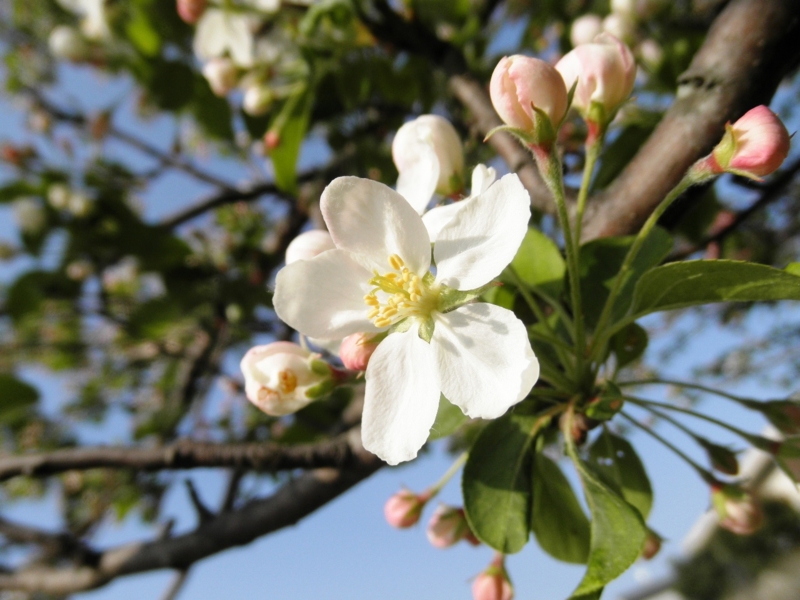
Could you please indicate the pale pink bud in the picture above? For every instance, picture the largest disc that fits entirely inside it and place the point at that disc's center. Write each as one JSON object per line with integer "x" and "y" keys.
{"x": 620, "y": 26}
{"x": 584, "y": 29}
{"x": 605, "y": 71}
{"x": 272, "y": 139}
{"x": 447, "y": 526}
{"x": 190, "y": 11}
{"x": 438, "y": 135}
{"x": 257, "y": 100}
{"x": 404, "y": 508}
{"x": 755, "y": 145}
{"x": 519, "y": 83}
{"x": 493, "y": 583}
{"x": 281, "y": 378}
{"x": 67, "y": 43}
{"x": 308, "y": 244}
{"x": 739, "y": 511}
{"x": 356, "y": 350}
{"x": 221, "y": 75}
{"x": 652, "y": 545}
{"x": 651, "y": 53}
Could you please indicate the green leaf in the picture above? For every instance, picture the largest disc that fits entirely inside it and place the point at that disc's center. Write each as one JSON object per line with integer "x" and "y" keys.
{"x": 448, "y": 419}
{"x": 615, "y": 460}
{"x": 497, "y": 482}
{"x": 292, "y": 125}
{"x": 595, "y": 595}
{"x": 601, "y": 260}
{"x": 629, "y": 344}
{"x": 172, "y": 83}
{"x": 15, "y": 395}
{"x": 558, "y": 522}
{"x": 538, "y": 263}
{"x": 142, "y": 33}
{"x": 617, "y": 531}
{"x": 690, "y": 283}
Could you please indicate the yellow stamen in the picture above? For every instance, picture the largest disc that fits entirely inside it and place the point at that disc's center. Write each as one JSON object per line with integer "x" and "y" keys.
{"x": 396, "y": 262}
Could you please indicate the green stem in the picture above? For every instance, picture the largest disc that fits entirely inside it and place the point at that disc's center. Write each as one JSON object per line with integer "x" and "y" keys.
{"x": 550, "y": 168}
{"x": 529, "y": 300}
{"x": 693, "y": 386}
{"x": 592, "y": 154}
{"x": 622, "y": 276}
{"x": 457, "y": 464}
{"x": 704, "y": 474}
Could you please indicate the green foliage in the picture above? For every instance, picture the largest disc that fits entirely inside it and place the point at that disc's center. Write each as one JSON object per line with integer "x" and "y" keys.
{"x": 291, "y": 124}
{"x": 448, "y": 419}
{"x": 15, "y": 395}
{"x": 539, "y": 264}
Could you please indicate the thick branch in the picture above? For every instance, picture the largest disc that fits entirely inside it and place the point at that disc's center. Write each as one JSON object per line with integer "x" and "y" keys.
{"x": 295, "y": 500}
{"x": 749, "y": 49}
{"x": 186, "y": 454}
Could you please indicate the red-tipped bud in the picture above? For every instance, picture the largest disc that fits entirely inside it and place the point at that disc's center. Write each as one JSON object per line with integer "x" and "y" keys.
{"x": 404, "y": 508}
{"x": 447, "y": 526}
{"x": 356, "y": 351}
{"x": 754, "y": 146}
{"x": 272, "y": 139}
{"x": 738, "y": 510}
{"x": 190, "y": 11}
{"x": 652, "y": 545}
{"x": 493, "y": 583}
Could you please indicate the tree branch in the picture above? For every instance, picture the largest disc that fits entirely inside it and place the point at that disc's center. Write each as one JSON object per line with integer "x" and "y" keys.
{"x": 750, "y": 47}
{"x": 295, "y": 500}
{"x": 340, "y": 452}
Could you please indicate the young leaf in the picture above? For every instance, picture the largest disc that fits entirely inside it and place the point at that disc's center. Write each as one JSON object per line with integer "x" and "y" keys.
{"x": 293, "y": 118}
{"x": 14, "y": 395}
{"x": 497, "y": 482}
{"x": 615, "y": 460}
{"x": 448, "y": 419}
{"x": 558, "y": 522}
{"x": 618, "y": 532}
{"x": 629, "y": 344}
{"x": 690, "y": 283}
{"x": 539, "y": 263}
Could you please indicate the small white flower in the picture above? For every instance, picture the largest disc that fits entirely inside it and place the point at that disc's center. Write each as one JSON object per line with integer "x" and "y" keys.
{"x": 219, "y": 31}
{"x": 378, "y": 279}
{"x": 94, "y": 24}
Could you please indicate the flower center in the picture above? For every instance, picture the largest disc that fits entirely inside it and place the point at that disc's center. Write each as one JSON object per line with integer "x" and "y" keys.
{"x": 399, "y": 294}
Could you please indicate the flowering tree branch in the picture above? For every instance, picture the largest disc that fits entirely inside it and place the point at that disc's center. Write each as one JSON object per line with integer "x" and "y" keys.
{"x": 749, "y": 49}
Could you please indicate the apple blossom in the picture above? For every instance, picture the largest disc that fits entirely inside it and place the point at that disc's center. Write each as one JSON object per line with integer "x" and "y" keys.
{"x": 221, "y": 75}
{"x": 404, "y": 508}
{"x": 94, "y": 24}
{"x": 356, "y": 349}
{"x": 605, "y": 71}
{"x": 58, "y": 196}
{"x": 308, "y": 244}
{"x": 190, "y": 11}
{"x": 281, "y": 378}
{"x": 493, "y": 583}
{"x": 584, "y": 29}
{"x": 220, "y": 31}
{"x": 428, "y": 155}
{"x": 739, "y": 511}
{"x": 377, "y": 280}
{"x": 66, "y": 42}
{"x": 754, "y": 146}
{"x": 448, "y": 525}
{"x": 522, "y": 86}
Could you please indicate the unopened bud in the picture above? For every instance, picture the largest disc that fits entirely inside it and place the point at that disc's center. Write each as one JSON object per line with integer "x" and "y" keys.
{"x": 30, "y": 215}
{"x": 404, "y": 508}
{"x": 448, "y": 525}
{"x": 190, "y": 11}
{"x": 221, "y": 74}
{"x": 524, "y": 91}
{"x": 67, "y": 43}
{"x": 605, "y": 71}
{"x": 79, "y": 204}
{"x": 431, "y": 135}
{"x": 257, "y": 100}
{"x": 754, "y": 146}
{"x": 272, "y": 139}
{"x": 281, "y": 378}
{"x": 738, "y": 511}
{"x": 651, "y": 53}
{"x": 493, "y": 583}
{"x": 58, "y": 196}
{"x": 78, "y": 270}
{"x": 584, "y": 29}
{"x": 356, "y": 350}
{"x": 620, "y": 26}
{"x": 652, "y": 545}
{"x": 308, "y": 245}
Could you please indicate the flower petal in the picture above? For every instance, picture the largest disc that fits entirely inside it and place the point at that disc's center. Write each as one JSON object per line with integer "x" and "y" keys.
{"x": 372, "y": 221}
{"x": 436, "y": 218}
{"x": 402, "y": 397}
{"x": 482, "y": 178}
{"x": 323, "y": 297}
{"x": 417, "y": 182}
{"x": 474, "y": 248}
{"x": 484, "y": 359}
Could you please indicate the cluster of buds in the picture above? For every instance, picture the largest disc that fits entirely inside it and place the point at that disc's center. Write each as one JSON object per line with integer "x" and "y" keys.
{"x": 281, "y": 378}
{"x": 493, "y": 583}
{"x": 738, "y": 511}
{"x": 61, "y": 197}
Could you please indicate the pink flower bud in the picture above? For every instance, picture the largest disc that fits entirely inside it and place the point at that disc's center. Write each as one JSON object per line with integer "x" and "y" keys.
{"x": 520, "y": 83}
{"x": 404, "y": 508}
{"x": 754, "y": 146}
{"x": 356, "y": 350}
{"x": 493, "y": 583}
{"x": 437, "y": 134}
{"x": 652, "y": 545}
{"x": 584, "y": 29}
{"x": 308, "y": 244}
{"x": 738, "y": 511}
{"x": 447, "y": 526}
{"x": 605, "y": 71}
{"x": 190, "y": 11}
{"x": 221, "y": 75}
{"x": 281, "y": 378}
{"x": 272, "y": 139}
